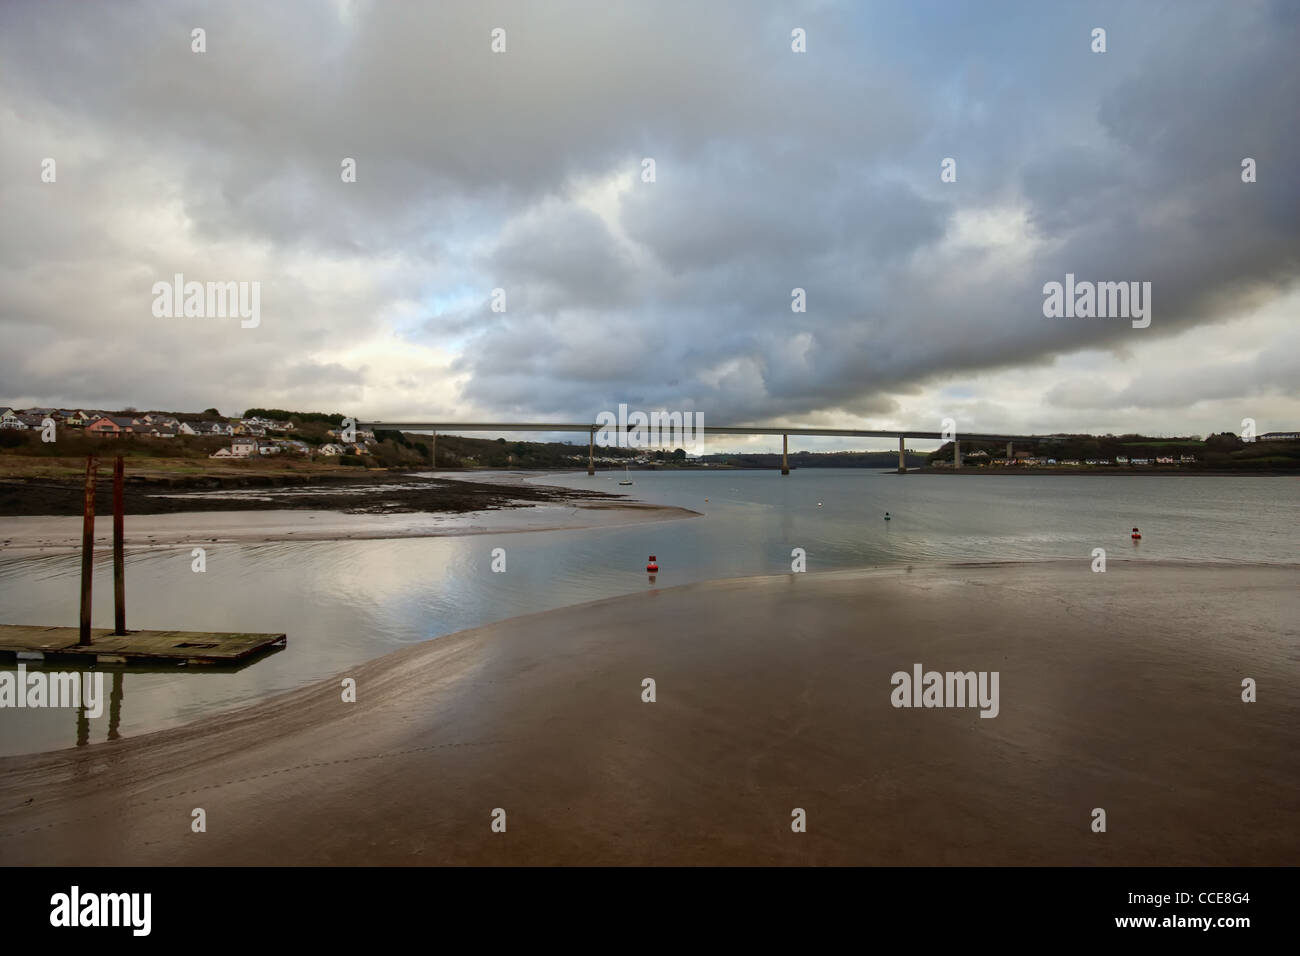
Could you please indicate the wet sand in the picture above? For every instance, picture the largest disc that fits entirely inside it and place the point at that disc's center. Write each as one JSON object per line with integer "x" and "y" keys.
{"x": 371, "y": 492}
{"x": 1119, "y": 690}
{"x": 49, "y": 533}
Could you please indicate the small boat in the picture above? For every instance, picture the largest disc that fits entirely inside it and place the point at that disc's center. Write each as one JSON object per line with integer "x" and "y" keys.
{"x": 628, "y": 479}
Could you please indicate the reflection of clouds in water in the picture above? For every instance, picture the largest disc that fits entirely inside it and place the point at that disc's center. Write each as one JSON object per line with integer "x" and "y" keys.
{"x": 345, "y": 602}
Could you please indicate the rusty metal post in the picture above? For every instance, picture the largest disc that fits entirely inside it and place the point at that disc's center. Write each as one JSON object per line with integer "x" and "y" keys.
{"x": 119, "y": 549}
{"x": 87, "y": 549}
{"x": 785, "y": 448}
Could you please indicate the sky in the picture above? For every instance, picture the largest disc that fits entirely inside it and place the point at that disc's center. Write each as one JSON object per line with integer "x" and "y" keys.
{"x": 525, "y": 171}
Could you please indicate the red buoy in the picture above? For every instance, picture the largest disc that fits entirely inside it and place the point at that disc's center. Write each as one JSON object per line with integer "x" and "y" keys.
{"x": 1136, "y": 535}
{"x": 652, "y": 566}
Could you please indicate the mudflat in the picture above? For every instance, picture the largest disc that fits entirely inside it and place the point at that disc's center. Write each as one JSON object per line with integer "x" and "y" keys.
{"x": 1120, "y": 690}
{"x": 372, "y": 492}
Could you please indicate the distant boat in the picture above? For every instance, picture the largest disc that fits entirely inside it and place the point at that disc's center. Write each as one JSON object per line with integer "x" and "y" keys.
{"x": 628, "y": 479}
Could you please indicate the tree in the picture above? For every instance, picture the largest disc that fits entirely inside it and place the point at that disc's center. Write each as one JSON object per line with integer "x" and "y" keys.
{"x": 1223, "y": 443}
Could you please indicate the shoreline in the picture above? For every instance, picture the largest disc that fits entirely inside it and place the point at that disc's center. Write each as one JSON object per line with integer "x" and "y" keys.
{"x": 339, "y": 508}
{"x": 772, "y": 693}
{"x": 1116, "y": 473}
{"x": 46, "y": 533}
{"x": 382, "y": 493}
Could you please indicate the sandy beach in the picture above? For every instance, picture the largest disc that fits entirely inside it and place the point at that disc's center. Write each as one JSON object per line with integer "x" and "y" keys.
{"x": 51, "y": 533}
{"x": 1119, "y": 690}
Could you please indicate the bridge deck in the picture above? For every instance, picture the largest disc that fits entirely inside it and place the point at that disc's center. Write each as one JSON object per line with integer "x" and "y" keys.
{"x": 453, "y": 427}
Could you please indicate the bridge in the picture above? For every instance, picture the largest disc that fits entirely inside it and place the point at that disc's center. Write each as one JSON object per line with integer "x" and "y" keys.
{"x": 785, "y": 431}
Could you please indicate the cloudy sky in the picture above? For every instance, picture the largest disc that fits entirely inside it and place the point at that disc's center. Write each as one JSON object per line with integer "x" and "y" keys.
{"x": 774, "y": 170}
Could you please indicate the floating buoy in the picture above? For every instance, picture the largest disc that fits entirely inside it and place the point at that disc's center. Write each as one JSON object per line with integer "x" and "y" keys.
{"x": 886, "y": 515}
{"x": 1137, "y": 536}
{"x": 819, "y": 504}
{"x": 652, "y": 566}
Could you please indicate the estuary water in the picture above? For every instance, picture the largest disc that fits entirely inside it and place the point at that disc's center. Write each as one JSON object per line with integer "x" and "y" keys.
{"x": 345, "y": 602}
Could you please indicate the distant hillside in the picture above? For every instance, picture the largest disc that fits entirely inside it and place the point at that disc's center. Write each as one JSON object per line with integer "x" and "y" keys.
{"x": 809, "y": 459}
{"x": 395, "y": 449}
{"x": 1222, "y": 452}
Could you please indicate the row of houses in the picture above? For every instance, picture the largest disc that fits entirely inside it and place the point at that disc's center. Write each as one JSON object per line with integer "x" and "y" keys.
{"x": 1023, "y": 458}
{"x": 149, "y": 424}
{"x": 360, "y": 434}
{"x": 249, "y": 446}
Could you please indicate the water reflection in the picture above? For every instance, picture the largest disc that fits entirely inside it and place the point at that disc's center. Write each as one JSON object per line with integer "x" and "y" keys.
{"x": 345, "y": 602}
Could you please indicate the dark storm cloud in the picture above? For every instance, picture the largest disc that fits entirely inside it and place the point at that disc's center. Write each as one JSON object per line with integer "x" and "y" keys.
{"x": 521, "y": 171}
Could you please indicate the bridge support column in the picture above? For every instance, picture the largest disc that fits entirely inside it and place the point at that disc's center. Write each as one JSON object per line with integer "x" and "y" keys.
{"x": 591, "y": 452}
{"x": 1010, "y": 451}
{"x": 902, "y": 462}
{"x": 956, "y": 453}
{"x": 785, "y": 448}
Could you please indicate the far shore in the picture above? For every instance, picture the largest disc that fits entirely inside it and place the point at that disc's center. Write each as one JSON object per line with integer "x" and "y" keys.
{"x": 45, "y": 514}
{"x": 1119, "y": 692}
{"x": 186, "y": 529}
{"x": 1101, "y": 472}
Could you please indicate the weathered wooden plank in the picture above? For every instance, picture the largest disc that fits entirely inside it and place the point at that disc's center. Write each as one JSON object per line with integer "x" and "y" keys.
{"x": 200, "y": 647}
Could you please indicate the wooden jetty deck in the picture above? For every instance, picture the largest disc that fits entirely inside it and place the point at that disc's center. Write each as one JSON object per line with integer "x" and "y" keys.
{"x": 188, "y": 647}
{"x": 121, "y": 646}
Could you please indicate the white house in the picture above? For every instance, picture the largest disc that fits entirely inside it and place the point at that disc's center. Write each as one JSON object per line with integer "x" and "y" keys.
{"x": 243, "y": 445}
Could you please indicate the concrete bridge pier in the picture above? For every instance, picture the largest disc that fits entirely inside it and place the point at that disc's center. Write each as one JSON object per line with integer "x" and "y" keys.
{"x": 1010, "y": 451}
{"x": 902, "y": 462}
{"x": 785, "y": 448}
{"x": 956, "y": 453}
{"x": 591, "y": 452}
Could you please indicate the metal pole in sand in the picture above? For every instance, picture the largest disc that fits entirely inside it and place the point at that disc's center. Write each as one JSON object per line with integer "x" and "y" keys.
{"x": 119, "y": 549}
{"x": 87, "y": 549}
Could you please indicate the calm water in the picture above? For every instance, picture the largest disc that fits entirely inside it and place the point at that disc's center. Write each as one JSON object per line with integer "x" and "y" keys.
{"x": 342, "y": 603}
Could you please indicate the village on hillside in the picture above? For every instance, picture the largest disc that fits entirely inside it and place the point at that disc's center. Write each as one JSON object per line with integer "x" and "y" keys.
{"x": 320, "y": 438}
{"x": 249, "y": 437}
